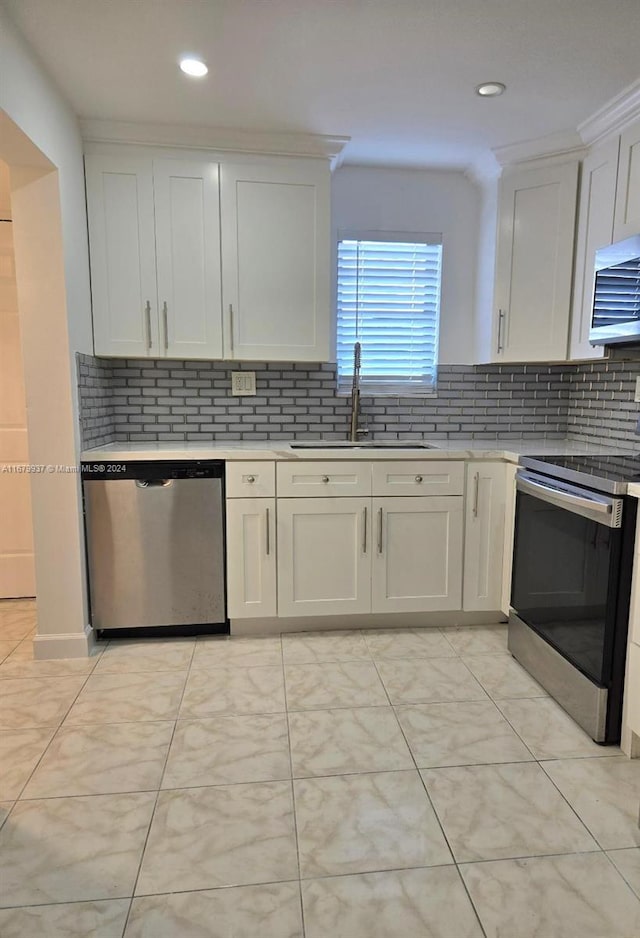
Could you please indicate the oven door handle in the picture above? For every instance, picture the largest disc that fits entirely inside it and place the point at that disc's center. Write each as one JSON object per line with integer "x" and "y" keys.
{"x": 604, "y": 510}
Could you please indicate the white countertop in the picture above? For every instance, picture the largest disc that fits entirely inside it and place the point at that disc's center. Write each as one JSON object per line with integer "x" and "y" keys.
{"x": 506, "y": 449}
{"x": 634, "y": 489}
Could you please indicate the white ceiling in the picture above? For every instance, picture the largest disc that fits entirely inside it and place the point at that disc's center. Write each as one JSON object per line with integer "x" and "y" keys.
{"x": 397, "y": 76}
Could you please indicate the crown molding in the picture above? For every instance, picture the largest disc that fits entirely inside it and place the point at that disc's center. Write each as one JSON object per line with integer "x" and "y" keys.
{"x": 613, "y": 116}
{"x": 191, "y": 136}
{"x": 566, "y": 144}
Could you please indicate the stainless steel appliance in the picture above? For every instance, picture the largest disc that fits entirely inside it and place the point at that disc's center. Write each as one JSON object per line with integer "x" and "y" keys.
{"x": 571, "y": 585}
{"x": 155, "y": 544}
{"x": 615, "y": 316}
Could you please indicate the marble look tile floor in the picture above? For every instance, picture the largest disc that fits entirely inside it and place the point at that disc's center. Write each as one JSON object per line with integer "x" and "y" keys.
{"x": 379, "y": 784}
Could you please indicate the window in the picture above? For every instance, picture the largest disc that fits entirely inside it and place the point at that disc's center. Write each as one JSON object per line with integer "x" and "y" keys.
{"x": 389, "y": 301}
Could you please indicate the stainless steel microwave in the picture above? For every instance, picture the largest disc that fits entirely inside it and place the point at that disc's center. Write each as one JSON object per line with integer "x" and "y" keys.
{"x": 615, "y": 316}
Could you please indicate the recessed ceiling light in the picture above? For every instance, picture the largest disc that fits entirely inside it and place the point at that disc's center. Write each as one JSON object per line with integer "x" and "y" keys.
{"x": 193, "y": 67}
{"x": 489, "y": 89}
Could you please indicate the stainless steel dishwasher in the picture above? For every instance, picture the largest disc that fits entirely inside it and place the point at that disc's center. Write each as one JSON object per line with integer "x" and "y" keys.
{"x": 155, "y": 544}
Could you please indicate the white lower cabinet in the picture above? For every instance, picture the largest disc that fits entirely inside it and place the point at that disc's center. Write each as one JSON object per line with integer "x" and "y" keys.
{"x": 484, "y": 536}
{"x": 361, "y": 555}
{"x": 417, "y": 559}
{"x": 509, "y": 533}
{"x": 324, "y": 556}
{"x": 251, "y": 558}
{"x": 633, "y": 689}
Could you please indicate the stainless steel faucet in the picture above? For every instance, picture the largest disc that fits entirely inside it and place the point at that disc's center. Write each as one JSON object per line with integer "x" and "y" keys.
{"x": 356, "y": 431}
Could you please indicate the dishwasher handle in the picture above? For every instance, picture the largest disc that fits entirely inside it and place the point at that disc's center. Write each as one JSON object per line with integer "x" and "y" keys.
{"x": 154, "y": 483}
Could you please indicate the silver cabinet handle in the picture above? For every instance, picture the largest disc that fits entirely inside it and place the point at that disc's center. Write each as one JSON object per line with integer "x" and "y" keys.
{"x": 165, "y": 320}
{"x": 379, "y": 530}
{"x": 325, "y": 478}
{"x": 147, "y": 313}
{"x": 231, "y": 327}
{"x": 418, "y": 478}
{"x": 251, "y": 478}
{"x": 476, "y": 491}
{"x": 364, "y": 530}
{"x": 501, "y": 318}
{"x": 268, "y": 532}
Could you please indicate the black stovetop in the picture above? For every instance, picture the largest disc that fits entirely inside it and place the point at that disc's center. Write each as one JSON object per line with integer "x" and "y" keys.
{"x": 605, "y": 473}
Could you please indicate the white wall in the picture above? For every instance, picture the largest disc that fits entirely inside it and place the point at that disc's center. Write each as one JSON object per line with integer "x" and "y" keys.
{"x": 372, "y": 198}
{"x": 29, "y": 97}
{"x": 40, "y": 140}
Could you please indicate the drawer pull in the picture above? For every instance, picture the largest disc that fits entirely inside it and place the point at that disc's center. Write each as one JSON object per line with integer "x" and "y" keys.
{"x": 325, "y": 478}
{"x": 251, "y": 478}
{"x": 418, "y": 478}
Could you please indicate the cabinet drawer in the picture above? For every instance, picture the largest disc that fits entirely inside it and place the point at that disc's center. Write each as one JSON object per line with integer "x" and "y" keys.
{"x": 251, "y": 479}
{"x": 418, "y": 477}
{"x": 309, "y": 479}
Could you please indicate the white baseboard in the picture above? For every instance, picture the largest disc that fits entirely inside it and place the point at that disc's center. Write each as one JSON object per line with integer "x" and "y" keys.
{"x": 64, "y": 645}
{"x": 401, "y": 620}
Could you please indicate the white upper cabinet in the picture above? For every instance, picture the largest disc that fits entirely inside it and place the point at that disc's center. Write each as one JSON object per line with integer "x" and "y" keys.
{"x": 595, "y": 229}
{"x": 536, "y": 220}
{"x": 627, "y": 216}
{"x": 163, "y": 258}
{"x": 275, "y": 260}
{"x": 154, "y": 234}
{"x": 123, "y": 256}
{"x": 187, "y": 217}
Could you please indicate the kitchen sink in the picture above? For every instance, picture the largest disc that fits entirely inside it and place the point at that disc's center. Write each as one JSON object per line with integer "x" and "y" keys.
{"x": 362, "y": 444}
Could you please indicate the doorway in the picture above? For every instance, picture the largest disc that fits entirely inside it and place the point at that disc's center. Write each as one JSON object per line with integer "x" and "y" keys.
{"x": 17, "y": 572}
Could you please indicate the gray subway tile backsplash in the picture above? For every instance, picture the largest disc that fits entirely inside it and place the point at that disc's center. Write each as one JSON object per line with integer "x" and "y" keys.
{"x": 140, "y": 400}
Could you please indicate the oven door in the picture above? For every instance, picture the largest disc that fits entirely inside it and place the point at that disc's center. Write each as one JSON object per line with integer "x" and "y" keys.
{"x": 565, "y": 570}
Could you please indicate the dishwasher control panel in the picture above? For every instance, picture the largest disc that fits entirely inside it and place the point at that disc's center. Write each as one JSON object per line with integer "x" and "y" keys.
{"x": 112, "y": 470}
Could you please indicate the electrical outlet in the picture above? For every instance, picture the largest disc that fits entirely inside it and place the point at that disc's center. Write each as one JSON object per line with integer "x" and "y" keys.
{"x": 243, "y": 383}
{"x": 637, "y": 394}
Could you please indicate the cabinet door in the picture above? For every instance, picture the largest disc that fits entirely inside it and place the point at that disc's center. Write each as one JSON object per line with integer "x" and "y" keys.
{"x": 534, "y": 262}
{"x": 123, "y": 256}
{"x": 484, "y": 536}
{"x": 187, "y": 221}
{"x": 509, "y": 532}
{"x": 251, "y": 557}
{"x": 324, "y": 556}
{"x": 417, "y": 554}
{"x": 627, "y": 217}
{"x": 275, "y": 261}
{"x": 595, "y": 229}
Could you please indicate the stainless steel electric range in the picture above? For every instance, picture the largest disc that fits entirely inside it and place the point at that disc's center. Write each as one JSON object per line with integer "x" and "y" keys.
{"x": 571, "y": 584}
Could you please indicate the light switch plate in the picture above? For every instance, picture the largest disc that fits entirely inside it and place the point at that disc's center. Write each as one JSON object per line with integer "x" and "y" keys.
{"x": 243, "y": 383}
{"x": 637, "y": 394}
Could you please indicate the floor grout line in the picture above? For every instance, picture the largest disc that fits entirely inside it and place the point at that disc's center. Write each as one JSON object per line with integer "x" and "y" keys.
{"x": 293, "y": 791}
{"x": 435, "y": 813}
{"x": 155, "y": 803}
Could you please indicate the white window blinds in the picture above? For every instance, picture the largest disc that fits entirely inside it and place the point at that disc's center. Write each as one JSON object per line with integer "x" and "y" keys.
{"x": 389, "y": 301}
